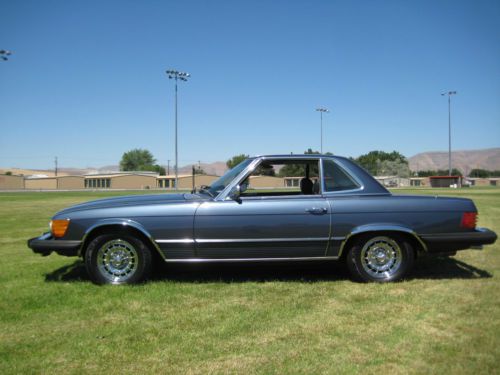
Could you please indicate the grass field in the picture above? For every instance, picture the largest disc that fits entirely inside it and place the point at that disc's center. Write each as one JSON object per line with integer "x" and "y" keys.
{"x": 272, "y": 319}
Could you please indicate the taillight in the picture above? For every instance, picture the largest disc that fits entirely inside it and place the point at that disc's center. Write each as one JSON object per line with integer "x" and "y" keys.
{"x": 469, "y": 220}
{"x": 59, "y": 227}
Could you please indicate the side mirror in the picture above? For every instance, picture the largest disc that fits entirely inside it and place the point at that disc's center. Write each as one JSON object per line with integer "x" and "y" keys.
{"x": 235, "y": 193}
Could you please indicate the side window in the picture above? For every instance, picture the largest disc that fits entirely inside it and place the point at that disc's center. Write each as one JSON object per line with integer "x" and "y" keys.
{"x": 336, "y": 178}
{"x": 282, "y": 177}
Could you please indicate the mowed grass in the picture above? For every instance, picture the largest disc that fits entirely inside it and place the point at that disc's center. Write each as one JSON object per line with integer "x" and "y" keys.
{"x": 244, "y": 319}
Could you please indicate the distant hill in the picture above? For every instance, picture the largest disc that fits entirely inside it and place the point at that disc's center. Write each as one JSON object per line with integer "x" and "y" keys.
{"x": 463, "y": 160}
{"x": 217, "y": 168}
{"x": 32, "y": 172}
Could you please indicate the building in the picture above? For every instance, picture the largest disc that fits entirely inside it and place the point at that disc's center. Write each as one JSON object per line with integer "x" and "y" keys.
{"x": 9, "y": 182}
{"x": 185, "y": 181}
{"x": 393, "y": 181}
{"x": 121, "y": 180}
{"x": 41, "y": 183}
{"x": 445, "y": 181}
{"x": 490, "y": 181}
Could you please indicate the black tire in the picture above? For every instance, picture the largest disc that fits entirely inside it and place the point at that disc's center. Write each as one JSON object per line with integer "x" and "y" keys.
{"x": 117, "y": 258}
{"x": 380, "y": 257}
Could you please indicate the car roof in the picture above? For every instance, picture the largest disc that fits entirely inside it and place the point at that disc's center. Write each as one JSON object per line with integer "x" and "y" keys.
{"x": 297, "y": 156}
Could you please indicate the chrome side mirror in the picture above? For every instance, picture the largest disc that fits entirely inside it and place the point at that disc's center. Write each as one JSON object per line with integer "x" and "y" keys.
{"x": 235, "y": 193}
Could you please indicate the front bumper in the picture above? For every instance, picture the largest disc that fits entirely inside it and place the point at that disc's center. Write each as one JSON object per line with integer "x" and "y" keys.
{"x": 46, "y": 244}
{"x": 459, "y": 241}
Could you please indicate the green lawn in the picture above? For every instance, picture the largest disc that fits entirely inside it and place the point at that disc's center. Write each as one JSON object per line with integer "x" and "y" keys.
{"x": 271, "y": 319}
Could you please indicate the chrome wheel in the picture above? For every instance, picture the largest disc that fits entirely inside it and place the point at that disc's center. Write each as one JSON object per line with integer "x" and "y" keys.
{"x": 381, "y": 257}
{"x": 117, "y": 261}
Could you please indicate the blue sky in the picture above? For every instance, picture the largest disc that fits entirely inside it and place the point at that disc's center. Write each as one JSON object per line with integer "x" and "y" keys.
{"x": 87, "y": 79}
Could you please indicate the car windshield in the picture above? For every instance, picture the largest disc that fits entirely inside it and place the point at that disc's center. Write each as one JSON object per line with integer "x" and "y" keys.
{"x": 221, "y": 183}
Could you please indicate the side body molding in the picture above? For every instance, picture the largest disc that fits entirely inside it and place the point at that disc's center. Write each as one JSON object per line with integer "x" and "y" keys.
{"x": 121, "y": 222}
{"x": 382, "y": 227}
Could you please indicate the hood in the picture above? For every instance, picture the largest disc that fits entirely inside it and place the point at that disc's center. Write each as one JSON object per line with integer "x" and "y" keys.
{"x": 131, "y": 200}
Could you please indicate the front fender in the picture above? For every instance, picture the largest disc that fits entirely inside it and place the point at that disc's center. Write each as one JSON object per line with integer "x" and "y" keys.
{"x": 125, "y": 223}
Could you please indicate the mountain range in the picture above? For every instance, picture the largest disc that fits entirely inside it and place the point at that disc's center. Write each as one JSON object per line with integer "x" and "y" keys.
{"x": 464, "y": 160}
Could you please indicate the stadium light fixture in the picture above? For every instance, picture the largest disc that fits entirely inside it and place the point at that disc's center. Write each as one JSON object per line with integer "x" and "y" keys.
{"x": 321, "y": 111}
{"x": 183, "y": 76}
{"x": 449, "y": 93}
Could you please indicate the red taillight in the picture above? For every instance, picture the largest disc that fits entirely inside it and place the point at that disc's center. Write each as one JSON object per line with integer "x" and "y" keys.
{"x": 469, "y": 220}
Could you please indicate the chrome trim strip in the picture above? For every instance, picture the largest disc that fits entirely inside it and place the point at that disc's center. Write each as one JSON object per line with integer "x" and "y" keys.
{"x": 210, "y": 260}
{"x": 181, "y": 240}
{"x": 243, "y": 240}
{"x": 338, "y": 238}
{"x": 259, "y": 240}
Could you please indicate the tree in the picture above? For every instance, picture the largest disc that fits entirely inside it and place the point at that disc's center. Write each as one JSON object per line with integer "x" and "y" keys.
{"x": 140, "y": 160}
{"x": 298, "y": 170}
{"x": 481, "y": 173}
{"x": 374, "y": 159}
{"x": 199, "y": 170}
{"x": 8, "y": 173}
{"x": 393, "y": 168}
{"x": 439, "y": 172}
{"x": 235, "y": 160}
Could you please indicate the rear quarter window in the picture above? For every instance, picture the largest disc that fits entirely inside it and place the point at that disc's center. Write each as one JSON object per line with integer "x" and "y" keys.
{"x": 335, "y": 178}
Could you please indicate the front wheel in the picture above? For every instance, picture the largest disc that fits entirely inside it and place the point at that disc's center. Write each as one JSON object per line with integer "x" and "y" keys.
{"x": 117, "y": 258}
{"x": 380, "y": 258}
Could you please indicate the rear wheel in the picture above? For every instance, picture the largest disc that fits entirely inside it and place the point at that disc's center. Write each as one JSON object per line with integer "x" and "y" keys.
{"x": 380, "y": 258}
{"x": 117, "y": 258}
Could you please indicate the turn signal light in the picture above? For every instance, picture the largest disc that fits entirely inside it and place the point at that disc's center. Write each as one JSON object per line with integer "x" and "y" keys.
{"x": 59, "y": 227}
{"x": 469, "y": 220}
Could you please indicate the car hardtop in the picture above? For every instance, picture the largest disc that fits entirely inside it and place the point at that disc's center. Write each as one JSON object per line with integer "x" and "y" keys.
{"x": 368, "y": 184}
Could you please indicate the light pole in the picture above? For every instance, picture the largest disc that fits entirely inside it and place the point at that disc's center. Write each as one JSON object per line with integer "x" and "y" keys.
{"x": 174, "y": 74}
{"x": 321, "y": 111}
{"x": 449, "y": 93}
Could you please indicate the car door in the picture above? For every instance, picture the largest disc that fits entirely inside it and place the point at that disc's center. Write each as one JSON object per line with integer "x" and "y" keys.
{"x": 263, "y": 228}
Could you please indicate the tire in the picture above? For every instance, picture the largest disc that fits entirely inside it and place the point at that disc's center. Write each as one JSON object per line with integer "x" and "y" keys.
{"x": 380, "y": 258}
{"x": 117, "y": 258}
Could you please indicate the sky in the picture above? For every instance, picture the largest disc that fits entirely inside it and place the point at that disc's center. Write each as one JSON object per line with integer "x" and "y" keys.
{"x": 86, "y": 81}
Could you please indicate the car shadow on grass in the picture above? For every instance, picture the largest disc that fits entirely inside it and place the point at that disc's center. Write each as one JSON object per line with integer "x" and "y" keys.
{"x": 425, "y": 268}
{"x": 446, "y": 268}
{"x": 72, "y": 272}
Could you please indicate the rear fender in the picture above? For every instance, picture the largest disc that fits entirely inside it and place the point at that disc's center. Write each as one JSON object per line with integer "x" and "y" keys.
{"x": 382, "y": 227}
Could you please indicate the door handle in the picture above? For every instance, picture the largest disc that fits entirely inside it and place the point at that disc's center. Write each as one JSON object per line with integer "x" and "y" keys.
{"x": 317, "y": 210}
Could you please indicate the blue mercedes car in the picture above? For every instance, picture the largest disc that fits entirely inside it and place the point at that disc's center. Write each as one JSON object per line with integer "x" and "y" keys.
{"x": 331, "y": 209}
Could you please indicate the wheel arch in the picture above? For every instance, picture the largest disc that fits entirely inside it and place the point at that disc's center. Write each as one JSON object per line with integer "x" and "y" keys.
{"x": 407, "y": 233}
{"x": 125, "y": 226}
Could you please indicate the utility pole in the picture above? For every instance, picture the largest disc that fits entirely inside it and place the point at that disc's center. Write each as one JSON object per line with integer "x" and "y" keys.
{"x": 321, "y": 111}
{"x": 55, "y": 162}
{"x": 176, "y": 75}
{"x": 449, "y": 93}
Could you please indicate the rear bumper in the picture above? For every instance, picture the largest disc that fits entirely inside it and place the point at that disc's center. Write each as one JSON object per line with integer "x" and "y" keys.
{"x": 459, "y": 241}
{"x": 46, "y": 244}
